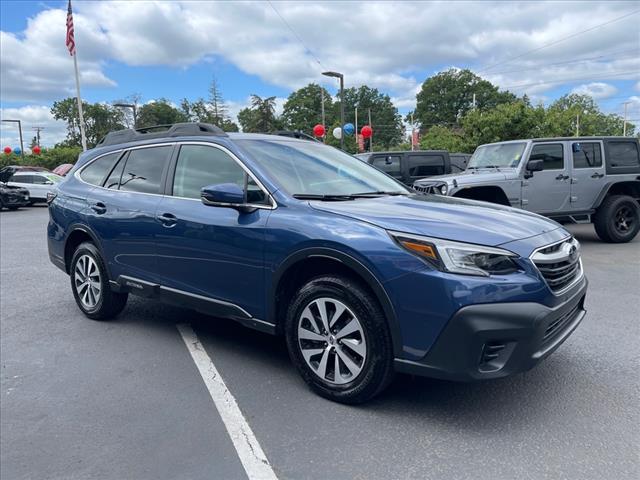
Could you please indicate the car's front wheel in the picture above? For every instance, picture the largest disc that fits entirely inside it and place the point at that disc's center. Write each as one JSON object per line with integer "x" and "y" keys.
{"x": 90, "y": 284}
{"x": 338, "y": 339}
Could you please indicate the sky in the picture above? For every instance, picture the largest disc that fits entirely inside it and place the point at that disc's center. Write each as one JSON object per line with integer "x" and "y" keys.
{"x": 171, "y": 49}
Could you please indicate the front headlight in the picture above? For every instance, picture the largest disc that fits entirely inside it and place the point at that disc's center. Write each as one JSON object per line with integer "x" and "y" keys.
{"x": 457, "y": 257}
{"x": 443, "y": 189}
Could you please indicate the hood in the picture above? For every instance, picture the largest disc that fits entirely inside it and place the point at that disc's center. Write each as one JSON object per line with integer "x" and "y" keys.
{"x": 6, "y": 173}
{"x": 445, "y": 217}
{"x": 486, "y": 175}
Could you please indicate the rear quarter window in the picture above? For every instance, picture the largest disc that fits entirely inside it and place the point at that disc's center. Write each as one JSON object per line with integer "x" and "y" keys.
{"x": 623, "y": 154}
{"x": 95, "y": 172}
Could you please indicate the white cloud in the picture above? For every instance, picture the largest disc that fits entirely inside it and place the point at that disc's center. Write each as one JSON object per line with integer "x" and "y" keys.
{"x": 597, "y": 90}
{"x": 31, "y": 116}
{"x": 637, "y": 87}
{"x": 389, "y": 46}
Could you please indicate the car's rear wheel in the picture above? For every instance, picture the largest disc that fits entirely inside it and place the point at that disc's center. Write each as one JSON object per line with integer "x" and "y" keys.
{"x": 90, "y": 284}
{"x": 339, "y": 340}
{"x": 617, "y": 219}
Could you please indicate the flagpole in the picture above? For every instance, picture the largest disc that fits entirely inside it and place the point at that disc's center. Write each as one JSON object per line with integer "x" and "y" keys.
{"x": 81, "y": 115}
{"x": 71, "y": 45}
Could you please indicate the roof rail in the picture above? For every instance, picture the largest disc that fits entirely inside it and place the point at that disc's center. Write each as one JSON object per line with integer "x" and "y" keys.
{"x": 295, "y": 134}
{"x": 160, "y": 131}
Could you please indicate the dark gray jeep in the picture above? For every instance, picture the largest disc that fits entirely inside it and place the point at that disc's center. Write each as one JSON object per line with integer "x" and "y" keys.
{"x": 580, "y": 180}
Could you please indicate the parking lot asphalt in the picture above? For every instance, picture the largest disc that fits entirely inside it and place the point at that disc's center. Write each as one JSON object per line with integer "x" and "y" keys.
{"x": 123, "y": 399}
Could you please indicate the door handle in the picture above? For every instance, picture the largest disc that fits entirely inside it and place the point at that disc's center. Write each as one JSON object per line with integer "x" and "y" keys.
{"x": 99, "y": 208}
{"x": 167, "y": 219}
{"x": 597, "y": 175}
{"x": 562, "y": 177}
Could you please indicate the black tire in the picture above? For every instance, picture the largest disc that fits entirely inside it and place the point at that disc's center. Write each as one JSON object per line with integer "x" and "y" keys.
{"x": 109, "y": 303}
{"x": 376, "y": 368}
{"x": 608, "y": 221}
{"x": 13, "y": 208}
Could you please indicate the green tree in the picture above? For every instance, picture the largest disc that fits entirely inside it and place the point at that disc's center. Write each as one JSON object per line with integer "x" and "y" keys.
{"x": 509, "y": 121}
{"x": 386, "y": 122}
{"x": 563, "y": 114}
{"x": 260, "y": 116}
{"x": 303, "y": 108}
{"x": 160, "y": 112}
{"x": 218, "y": 108}
{"x": 201, "y": 111}
{"x": 99, "y": 118}
{"x": 447, "y": 96}
{"x": 440, "y": 137}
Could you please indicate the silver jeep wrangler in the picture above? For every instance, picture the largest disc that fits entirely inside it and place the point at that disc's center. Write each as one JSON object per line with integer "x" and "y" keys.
{"x": 580, "y": 180}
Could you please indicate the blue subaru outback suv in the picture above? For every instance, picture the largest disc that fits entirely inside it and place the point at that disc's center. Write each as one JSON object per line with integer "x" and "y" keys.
{"x": 362, "y": 276}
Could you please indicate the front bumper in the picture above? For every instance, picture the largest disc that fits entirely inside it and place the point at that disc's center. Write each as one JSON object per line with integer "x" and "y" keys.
{"x": 498, "y": 339}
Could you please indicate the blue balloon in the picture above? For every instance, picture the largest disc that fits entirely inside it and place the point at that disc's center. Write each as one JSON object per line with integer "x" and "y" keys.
{"x": 349, "y": 128}
{"x": 17, "y": 150}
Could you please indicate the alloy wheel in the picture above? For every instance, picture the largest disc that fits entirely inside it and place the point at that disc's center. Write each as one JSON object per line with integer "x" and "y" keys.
{"x": 332, "y": 341}
{"x": 624, "y": 219}
{"x": 87, "y": 281}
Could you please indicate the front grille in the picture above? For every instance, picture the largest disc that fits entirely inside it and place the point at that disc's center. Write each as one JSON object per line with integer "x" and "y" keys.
{"x": 425, "y": 188}
{"x": 559, "y": 264}
{"x": 559, "y": 324}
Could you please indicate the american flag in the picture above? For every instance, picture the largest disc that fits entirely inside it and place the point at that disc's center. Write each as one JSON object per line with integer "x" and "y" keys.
{"x": 71, "y": 42}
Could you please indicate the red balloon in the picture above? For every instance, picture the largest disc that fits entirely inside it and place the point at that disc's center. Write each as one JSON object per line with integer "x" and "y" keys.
{"x": 319, "y": 130}
{"x": 366, "y": 131}
{"x": 36, "y": 150}
{"x": 8, "y": 150}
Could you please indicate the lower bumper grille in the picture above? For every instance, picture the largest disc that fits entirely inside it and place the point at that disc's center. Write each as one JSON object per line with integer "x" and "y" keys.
{"x": 558, "y": 325}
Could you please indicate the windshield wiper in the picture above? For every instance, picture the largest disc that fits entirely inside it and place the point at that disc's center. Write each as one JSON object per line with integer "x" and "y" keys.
{"x": 483, "y": 166}
{"x": 331, "y": 198}
{"x": 376, "y": 194}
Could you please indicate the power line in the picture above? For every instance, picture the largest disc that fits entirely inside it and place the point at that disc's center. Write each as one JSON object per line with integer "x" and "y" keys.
{"x": 537, "y": 66}
{"x": 563, "y": 80}
{"x": 307, "y": 49}
{"x": 559, "y": 40}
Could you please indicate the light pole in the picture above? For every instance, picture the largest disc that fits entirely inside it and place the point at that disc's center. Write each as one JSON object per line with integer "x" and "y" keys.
{"x": 132, "y": 107}
{"x": 341, "y": 77}
{"x": 20, "y": 130}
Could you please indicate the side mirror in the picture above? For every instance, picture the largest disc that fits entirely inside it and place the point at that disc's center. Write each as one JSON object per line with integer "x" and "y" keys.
{"x": 535, "y": 165}
{"x": 48, "y": 182}
{"x": 225, "y": 195}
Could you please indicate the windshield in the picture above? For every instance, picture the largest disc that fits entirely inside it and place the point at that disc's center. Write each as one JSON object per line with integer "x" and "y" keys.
{"x": 310, "y": 168}
{"x": 498, "y": 155}
{"x": 53, "y": 177}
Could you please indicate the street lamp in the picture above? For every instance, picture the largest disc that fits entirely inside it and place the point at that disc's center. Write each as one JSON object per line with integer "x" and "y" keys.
{"x": 341, "y": 77}
{"x": 132, "y": 107}
{"x": 20, "y": 130}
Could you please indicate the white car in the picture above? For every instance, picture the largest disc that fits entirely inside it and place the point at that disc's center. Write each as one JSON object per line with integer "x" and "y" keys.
{"x": 38, "y": 183}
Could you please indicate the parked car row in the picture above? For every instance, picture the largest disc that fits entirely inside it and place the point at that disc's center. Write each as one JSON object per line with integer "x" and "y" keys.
{"x": 410, "y": 166}
{"x": 33, "y": 183}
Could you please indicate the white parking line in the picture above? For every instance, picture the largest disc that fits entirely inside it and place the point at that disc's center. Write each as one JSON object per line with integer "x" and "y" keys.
{"x": 253, "y": 459}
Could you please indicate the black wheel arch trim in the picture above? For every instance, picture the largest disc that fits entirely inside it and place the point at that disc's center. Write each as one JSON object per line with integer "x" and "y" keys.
{"x": 607, "y": 187}
{"x": 351, "y": 262}
{"x": 75, "y": 227}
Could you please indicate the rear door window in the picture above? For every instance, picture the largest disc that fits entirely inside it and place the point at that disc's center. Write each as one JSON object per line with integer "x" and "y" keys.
{"x": 426, "y": 165}
{"x": 587, "y": 155}
{"x": 389, "y": 164}
{"x": 22, "y": 179}
{"x": 623, "y": 154}
{"x": 144, "y": 168}
{"x": 95, "y": 172}
{"x": 551, "y": 153}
